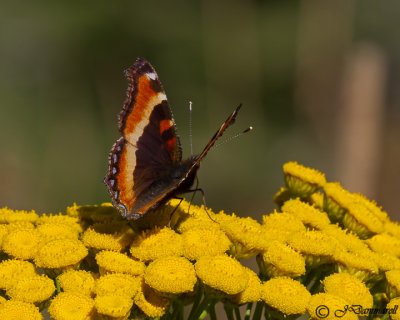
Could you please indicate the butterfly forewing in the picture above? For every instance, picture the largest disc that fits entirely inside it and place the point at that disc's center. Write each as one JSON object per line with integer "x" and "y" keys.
{"x": 149, "y": 141}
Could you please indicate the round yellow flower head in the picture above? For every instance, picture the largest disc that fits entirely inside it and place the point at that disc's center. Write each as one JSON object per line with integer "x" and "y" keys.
{"x": 111, "y": 261}
{"x": 20, "y": 225}
{"x": 286, "y": 295}
{"x": 3, "y": 232}
{"x": 386, "y": 262}
{"x": 349, "y": 288}
{"x": 193, "y": 222}
{"x": 393, "y": 306}
{"x": 157, "y": 243}
{"x": 362, "y": 267}
{"x": 307, "y": 214}
{"x": 8, "y": 216}
{"x": 281, "y": 196}
{"x": 108, "y": 236}
{"x": 71, "y": 306}
{"x": 302, "y": 181}
{"x": 324, "y": 306}
{"x": 18, "y": 310}
{"x": 317, "y": 247}
{"x": 285, "y": 222}
{"x": 52, "y": 231}
{"x": 118, "y": 284}
{"x": 281, "y": 260}
{"x": 114, "y": 306}
{"x": 104, "y": 212}
{"x": 347, "y": 240}
{"x": 204, "y": 242}
{"x": 393, "y": 281}
{"x": 78, "y": 281}
{"x": 222, "y": 273}
{"x": 21, "y": 244}
{"x": 385, "y": 243}
{"x": 11, "y": 271}
{"x": 361, "y": 221}
{"x": 372, "y": 206}
{"x": 152, "y": 304}
{"x": 247, "y": 235}
{"x": 171, "y": 275}
{"x": 35, "y": 289}
{"x": 317, "y": 200}
{"x": 252, "y": 293}
{"x": 336, "y": 200}
{"x": 392, "y": 228}
{"x": 72, "y": 222}
{"x": 60, "y": 253}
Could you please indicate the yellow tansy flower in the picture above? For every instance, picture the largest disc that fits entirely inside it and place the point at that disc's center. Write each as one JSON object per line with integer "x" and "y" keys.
{"x": 171, "y": 275}
{"x": 286, "y": 295}
{"x": 18, "y": 310}
{"x": 111, "y": 261}
{"x": 247, "y": 235}
{"x": 108, "y": 236}
{"x": 252, "y": 293}
{"x": 386, "y": 262}
{"x": 78, "y": 281}
{"x": 60, "y": 253}
{"x": 393, "y": 281}
{"x": 71, "y": 306}
{"x": 392, "y": 228}
{"x": 393, "y": 307}
{"x": 302, "y": 181}
{"x": 281, "y": 196}
{"x": 285, "y": 222}
{"x": 346, "y": 239}
{"x": 192, "y": 222}
{"x": 72, "y": 222}
{"x": 281, "y": 260}
{"x": 204, "y": 242}
{"x": 52, "y": 231}
{"x": 21, "y": 244}
{"x": 117, "y": 307}
{"x": 35, "y": 289}
{"x": 384, "y": 243}
{"x": 95, "y": 213}
{"x": 361, "y": 221}
{"x": 372, "y": 207}
{"x": 336, "y": 200}
{"x": 11, "y": 271}
{"x": 8, "y": 216}
{"x": 309, "y": 215}
{"x": 3, "y": 232}
{"x": 325, "y": 306}
{"x": 348, "y": 288}
{"x": 118, "y": 284}
{"x": 152, "y": 304}
{"x": 157, "y": 243}
{"x": 362, "y": 267}
{"x": 20, "y": 225}
{"x": 222, "y": 273}
{"x": 317, "y": 247}
{"x": 317, "y": 200}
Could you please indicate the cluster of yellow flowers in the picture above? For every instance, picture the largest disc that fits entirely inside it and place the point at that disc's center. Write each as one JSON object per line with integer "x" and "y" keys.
{"x": 326, "y": 252}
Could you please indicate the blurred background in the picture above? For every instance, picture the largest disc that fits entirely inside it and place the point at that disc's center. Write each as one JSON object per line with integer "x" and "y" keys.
{"x": 319, "y": 82}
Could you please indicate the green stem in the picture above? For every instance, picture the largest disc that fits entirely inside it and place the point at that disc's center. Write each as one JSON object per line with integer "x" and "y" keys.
{"x": 201, "y": 311}
{"x": 258, "y": 311}
{"x": 248, "y": 311}
{"x": 196, "y": 302}
{"x": 229, "y": 311}
{"x": 237, "y": 313}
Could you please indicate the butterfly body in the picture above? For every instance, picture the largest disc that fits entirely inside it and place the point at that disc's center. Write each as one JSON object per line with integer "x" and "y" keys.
{"x": 145, "y": 164}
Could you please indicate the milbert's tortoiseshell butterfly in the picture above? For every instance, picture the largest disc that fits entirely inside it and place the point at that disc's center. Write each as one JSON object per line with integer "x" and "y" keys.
{"x": 145, "y": 164}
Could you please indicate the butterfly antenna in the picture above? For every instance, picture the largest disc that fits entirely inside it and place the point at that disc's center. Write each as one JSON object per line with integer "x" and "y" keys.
{"x": 190, "y": 128}
{"x": 234, "y": 136}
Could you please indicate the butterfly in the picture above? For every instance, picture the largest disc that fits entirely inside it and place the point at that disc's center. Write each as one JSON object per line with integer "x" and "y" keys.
{"x": 145, "y": 164}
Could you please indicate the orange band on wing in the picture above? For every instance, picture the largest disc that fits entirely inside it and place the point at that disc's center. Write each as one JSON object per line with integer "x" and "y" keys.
{"x": 145, "y": 100}
{"x": 125, "y": 177}
{"x": 165, "y": 125}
